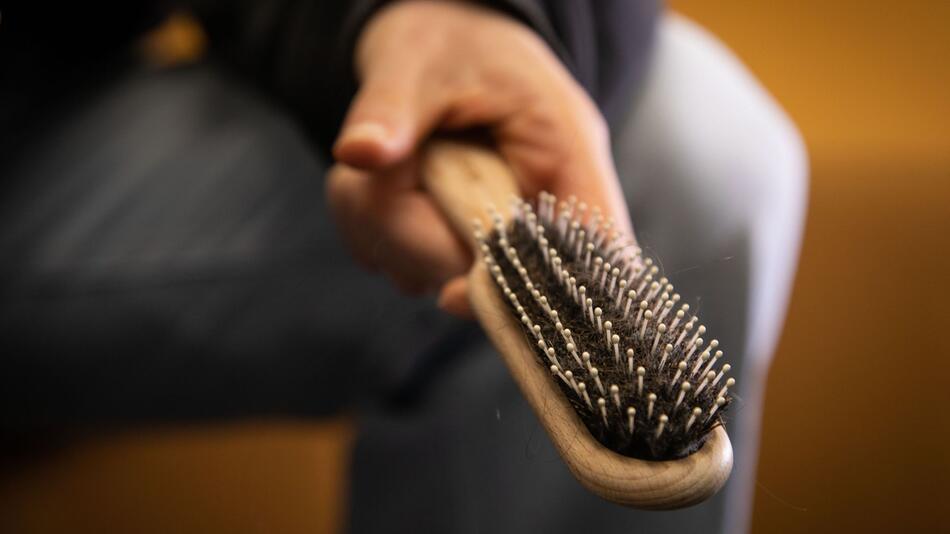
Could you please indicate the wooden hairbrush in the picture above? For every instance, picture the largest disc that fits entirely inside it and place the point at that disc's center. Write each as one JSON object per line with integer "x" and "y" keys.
{"x": 620, "y": 379}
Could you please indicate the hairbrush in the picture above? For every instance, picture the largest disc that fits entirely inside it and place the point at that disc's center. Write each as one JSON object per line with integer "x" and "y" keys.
{"x": 614, "y": 366}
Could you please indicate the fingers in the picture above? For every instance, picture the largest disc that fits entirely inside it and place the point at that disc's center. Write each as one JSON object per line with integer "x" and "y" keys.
{"x": 390, "y": 114}
{"x": 378, "y": 129}
{"x": 396, "y": 230}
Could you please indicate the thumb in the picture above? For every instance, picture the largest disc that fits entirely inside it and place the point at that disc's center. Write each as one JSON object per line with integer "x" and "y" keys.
{"x": 387, "y": 118}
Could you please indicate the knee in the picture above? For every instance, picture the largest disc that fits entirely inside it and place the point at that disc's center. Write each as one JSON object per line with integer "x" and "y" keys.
{"x": 770, "y": 170}
{"x": 734, "y": 146}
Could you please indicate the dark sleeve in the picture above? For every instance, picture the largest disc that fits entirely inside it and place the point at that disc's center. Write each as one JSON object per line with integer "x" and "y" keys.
{"x": 300, "y": 52}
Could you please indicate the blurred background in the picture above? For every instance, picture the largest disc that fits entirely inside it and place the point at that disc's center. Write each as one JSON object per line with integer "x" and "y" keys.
{"x": 855, "y": 429}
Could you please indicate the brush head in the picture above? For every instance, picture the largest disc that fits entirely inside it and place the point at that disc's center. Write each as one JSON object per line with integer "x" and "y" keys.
{"x": 630, "y": 358}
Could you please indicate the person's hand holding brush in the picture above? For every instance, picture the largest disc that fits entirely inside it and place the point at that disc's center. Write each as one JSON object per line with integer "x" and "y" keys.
{"x": 429, "y": 66}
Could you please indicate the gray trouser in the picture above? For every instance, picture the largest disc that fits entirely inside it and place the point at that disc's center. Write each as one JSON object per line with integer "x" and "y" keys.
{"x": 167, "y": 255}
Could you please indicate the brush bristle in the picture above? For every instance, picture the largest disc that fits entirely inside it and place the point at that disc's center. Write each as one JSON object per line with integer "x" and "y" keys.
{"x": 628, "y": 356}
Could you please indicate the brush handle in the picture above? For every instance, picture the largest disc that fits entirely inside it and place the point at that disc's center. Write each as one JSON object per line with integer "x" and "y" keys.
{"x": 464, "y": 178}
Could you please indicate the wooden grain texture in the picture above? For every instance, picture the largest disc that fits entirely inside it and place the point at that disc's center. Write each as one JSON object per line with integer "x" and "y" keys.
{"x": 464, "y": 179}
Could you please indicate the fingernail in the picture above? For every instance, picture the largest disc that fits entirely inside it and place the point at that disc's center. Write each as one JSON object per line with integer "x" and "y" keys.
{"x": 366, "y": 132}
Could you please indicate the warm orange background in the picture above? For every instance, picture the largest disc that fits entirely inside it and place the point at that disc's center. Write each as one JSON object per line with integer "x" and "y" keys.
{"x": 856, "y": 424}
{"x": 856, "y": 430}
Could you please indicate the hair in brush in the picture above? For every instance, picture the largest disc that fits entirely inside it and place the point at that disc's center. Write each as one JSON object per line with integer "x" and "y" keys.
{"x": 629, "y": 357}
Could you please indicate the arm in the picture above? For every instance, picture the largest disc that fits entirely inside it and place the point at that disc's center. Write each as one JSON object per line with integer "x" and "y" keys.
{"x": 301, "y": 52}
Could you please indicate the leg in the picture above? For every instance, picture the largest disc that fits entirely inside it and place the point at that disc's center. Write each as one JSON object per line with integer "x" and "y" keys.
{"x": 715, "y": 175}
{"x": 173, "y": 259}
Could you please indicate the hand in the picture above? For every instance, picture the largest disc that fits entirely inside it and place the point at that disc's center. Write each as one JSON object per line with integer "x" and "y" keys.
{"x": 436, "y": 65}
